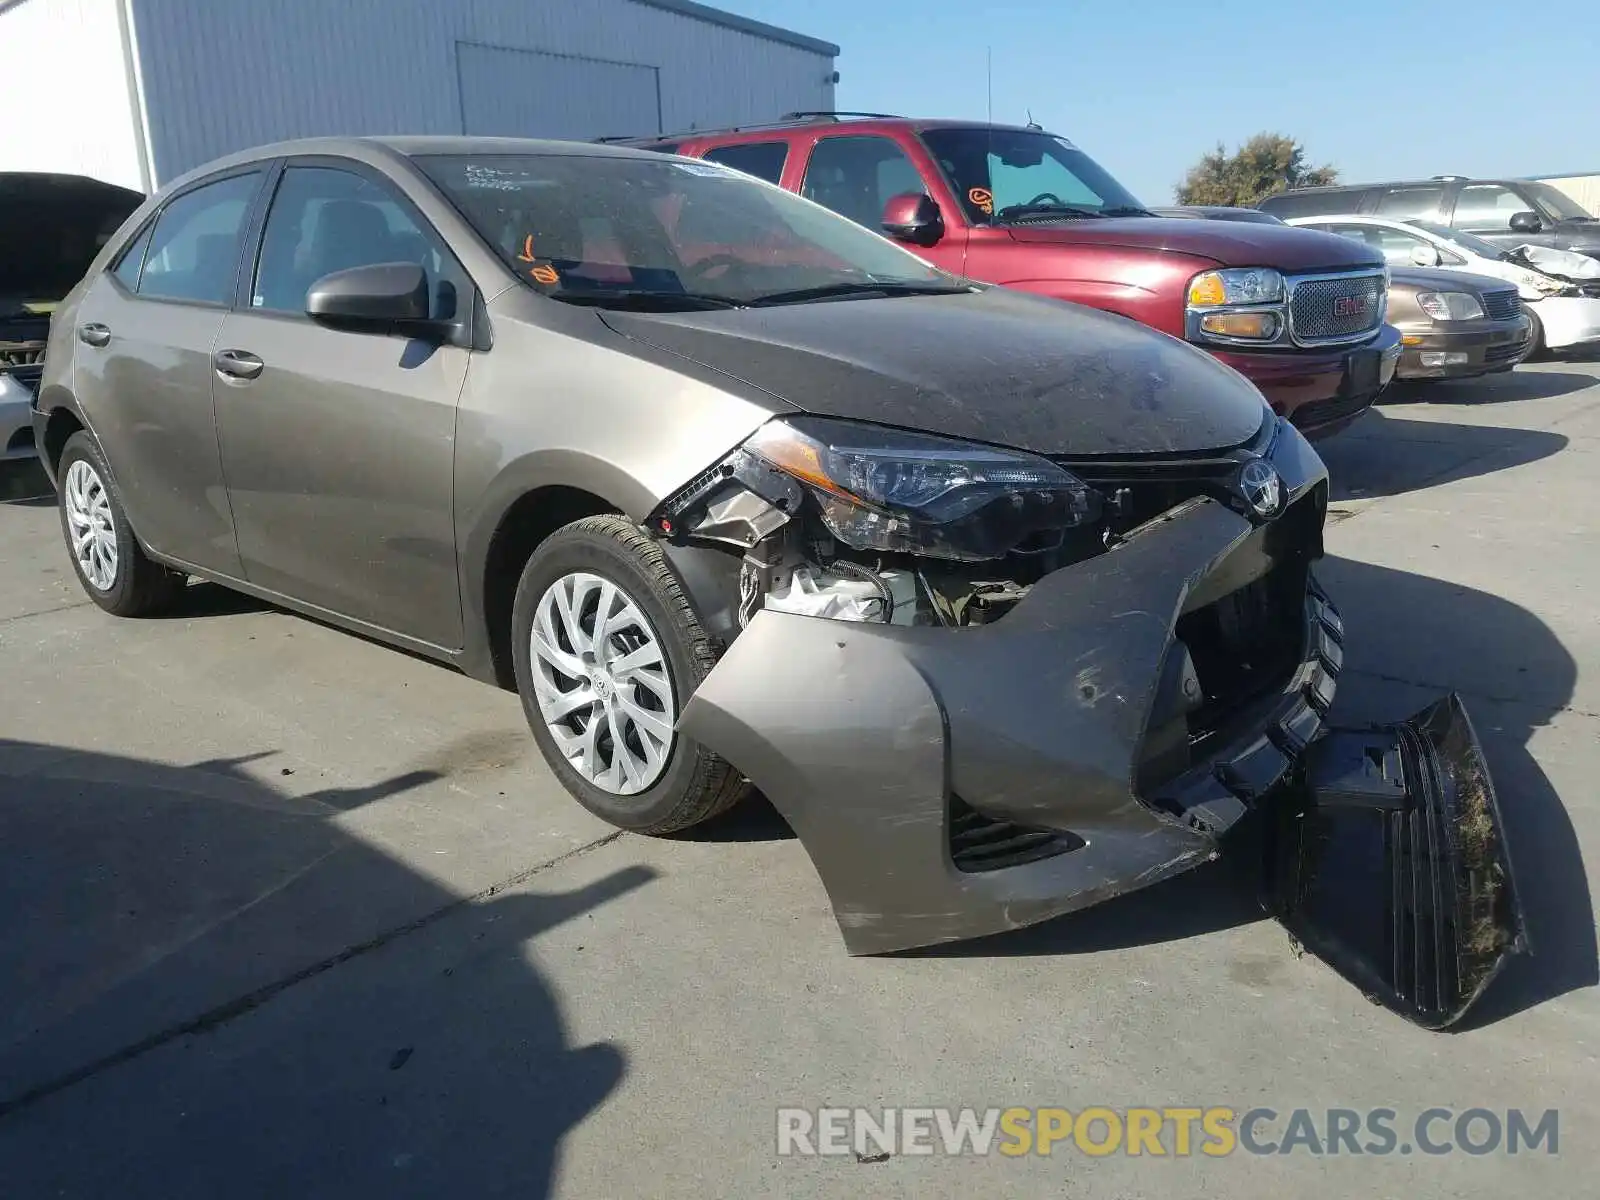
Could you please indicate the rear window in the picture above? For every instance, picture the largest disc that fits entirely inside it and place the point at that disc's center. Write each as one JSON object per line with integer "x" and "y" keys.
{"x": 1313, "y": 204}
{"x": 764, "y": 160}
{"x": 1407, "y": 202}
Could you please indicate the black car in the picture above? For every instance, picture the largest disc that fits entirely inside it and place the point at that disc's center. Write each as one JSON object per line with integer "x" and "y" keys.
{"x": 1507, "y": 212}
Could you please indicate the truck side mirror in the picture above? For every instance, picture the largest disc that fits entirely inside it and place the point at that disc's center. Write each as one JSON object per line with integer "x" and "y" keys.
{"x": 1526, "y": 222}
{"x": 1424, "y": 255}
{"x": 913, "y": 217}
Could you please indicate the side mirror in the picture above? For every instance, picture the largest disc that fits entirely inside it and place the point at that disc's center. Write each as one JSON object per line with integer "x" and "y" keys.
{"x": 390, "y": 298}
{"x": 1526, "y": 222}
{"x": 913, "y": 217}
{"x": 1424, "y": 255}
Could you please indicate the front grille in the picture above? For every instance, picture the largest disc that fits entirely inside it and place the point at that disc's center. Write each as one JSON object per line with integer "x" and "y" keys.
{"x": 1336, "y": 308}
{"x": 980, "y": 843}
{"x": 1592, "y": 290}
{"x": 1504, "y": 352}
{"x": 1502, "y": 306}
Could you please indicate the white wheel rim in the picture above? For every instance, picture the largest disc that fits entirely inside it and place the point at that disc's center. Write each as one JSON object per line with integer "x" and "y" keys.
{"x": 91, "y": 528}
{"x": 601, "y": 682}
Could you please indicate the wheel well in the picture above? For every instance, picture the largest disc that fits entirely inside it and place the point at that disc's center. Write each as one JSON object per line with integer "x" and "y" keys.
{"x": 60, "y": 425}
{"x": 528, "y": 522}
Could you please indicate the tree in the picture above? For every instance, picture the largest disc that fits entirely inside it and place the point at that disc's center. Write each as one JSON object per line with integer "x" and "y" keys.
{"x": 1267, "y": 164}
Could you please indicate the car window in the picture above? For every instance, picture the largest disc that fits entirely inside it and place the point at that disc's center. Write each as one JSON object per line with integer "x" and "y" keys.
{"x": 131, "y": 261}
{"x": 1314, "y": 203}
{"x": 1401, "y": 203}
{"x": 638, "y": 229}
{"x": 1487, "y": 206}
{"x": 194, "y": 250}
{"x": 764, "y": 160}
{"x": 323, "y": 220}
{"x": 856, "y": 176}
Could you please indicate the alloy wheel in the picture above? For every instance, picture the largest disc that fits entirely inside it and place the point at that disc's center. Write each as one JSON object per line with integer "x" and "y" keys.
{"x": 92, "y": 529}
{"x": 601, "y": 682}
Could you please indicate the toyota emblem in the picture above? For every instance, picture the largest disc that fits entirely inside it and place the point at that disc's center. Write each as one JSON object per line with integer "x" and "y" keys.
{"x": 1262, "y": 488}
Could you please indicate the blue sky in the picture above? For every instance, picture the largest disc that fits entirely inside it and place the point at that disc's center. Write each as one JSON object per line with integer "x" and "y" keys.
{"x": 1380, "y": 88}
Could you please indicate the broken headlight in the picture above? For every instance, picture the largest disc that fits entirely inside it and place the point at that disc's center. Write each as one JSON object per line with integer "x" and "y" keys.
{"x": 893, "y": 490}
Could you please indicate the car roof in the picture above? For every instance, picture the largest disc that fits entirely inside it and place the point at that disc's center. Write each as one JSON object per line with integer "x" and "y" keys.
{"x": 398, "y": 148}
{"x": 806, "y": 122}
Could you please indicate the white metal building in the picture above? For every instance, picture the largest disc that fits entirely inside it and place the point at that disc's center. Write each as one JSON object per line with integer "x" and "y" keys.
{"x": 137, "y": 91}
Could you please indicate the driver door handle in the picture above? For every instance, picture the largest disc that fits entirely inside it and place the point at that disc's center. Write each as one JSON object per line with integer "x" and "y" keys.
{"x": 237, "y": 364}
{"x": 94, "y": 334}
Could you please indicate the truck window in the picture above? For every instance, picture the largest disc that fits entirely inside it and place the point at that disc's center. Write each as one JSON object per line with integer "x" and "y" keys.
{"x": 1313, "y": 203}
{"x": 993, "y": 170}
{"x": 1487, "y": 207}
{"x": 764, "y": 160}
{"x": 855, "y": 176}
{"x": 1407, "y": 202}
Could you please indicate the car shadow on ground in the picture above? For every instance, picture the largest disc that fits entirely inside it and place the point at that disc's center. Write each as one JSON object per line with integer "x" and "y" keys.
{"x": 1379, "y": 455}
{"x": 1513, "y": 387}
{"x": 1410, "y": 638}
{"x": 208, "y": 988}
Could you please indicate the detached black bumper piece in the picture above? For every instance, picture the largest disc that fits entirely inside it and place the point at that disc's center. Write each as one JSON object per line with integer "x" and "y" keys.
{"x": 1391, "y": 865}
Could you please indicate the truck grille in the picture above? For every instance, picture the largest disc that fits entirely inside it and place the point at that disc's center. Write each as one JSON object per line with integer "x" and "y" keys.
{"x": 1336, "y": 308}
{"x": 1502, "y": 305}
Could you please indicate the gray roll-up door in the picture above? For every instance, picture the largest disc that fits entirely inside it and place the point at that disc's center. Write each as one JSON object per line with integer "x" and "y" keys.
{"x": 529, "y": 93}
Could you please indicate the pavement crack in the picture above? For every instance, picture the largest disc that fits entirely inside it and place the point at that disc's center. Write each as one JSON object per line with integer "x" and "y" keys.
{"x": 44, "y": 612}
{"x": 221, "y": 1014}
{"x": 1491, "y": 697}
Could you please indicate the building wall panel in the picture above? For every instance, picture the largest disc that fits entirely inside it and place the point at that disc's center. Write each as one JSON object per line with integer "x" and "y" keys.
{"x": 66, "y": 99}
{"x": 220, "y": 75}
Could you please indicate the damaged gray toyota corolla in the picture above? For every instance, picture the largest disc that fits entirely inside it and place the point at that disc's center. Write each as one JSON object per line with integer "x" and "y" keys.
{"x": 1007, "y": 605}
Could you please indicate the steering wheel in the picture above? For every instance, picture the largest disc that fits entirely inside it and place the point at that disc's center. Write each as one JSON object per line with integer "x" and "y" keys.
{"x": 1043, "y": 196}
{"x": 713, "y": 264}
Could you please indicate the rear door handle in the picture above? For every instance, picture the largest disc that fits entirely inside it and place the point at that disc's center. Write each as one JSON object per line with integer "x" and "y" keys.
{"x": 94, "y": 335}
{"x": 237, "y": 364}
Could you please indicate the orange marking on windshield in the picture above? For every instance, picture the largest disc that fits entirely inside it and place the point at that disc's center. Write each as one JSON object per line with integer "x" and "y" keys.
{"x": 545, "y": 273}
{"x": 527, "y": 250}
{"x": 983, "y": 198}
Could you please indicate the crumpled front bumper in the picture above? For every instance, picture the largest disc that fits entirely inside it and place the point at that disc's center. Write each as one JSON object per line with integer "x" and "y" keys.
{"x": 885, "y": 746}
{"x": 952, "y": 783}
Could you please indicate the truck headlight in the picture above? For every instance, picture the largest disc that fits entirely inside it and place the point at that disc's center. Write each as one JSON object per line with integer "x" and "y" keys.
{"x": 892, "y": 490}
{"x": 1236, "y": 306}
{"x": 1236, "y": 285}
{"x": 1450, "y": 306}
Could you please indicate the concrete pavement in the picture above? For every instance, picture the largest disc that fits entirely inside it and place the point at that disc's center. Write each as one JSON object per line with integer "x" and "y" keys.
{"x": 283, "y": 912}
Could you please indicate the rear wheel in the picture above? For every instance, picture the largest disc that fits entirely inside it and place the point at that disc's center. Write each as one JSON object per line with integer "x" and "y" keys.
{"x": 110, "y": 564}
{"x": 608, "y": 650}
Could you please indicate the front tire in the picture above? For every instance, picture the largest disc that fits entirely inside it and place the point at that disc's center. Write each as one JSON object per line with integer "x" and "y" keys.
{"x": 608, "y": 650}
{"x": 111, "y": 565}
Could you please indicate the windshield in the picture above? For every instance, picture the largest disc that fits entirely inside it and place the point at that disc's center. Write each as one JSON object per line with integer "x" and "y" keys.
{"x": 653, "y": 232}
{"x": 1556, "y": 203}
{"x": 1004, "y": 174}
{"x": 1467, "y": 242}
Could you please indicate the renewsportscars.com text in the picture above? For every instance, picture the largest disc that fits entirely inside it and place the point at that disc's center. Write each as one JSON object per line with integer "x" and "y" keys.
{"x": 1213, "y": 1132}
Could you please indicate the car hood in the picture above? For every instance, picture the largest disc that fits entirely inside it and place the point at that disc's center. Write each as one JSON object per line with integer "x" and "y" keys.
{"x": 1228, "y": 243}
{"x": 1423, "y": 279}
{"x": 51, "y": 228}
{"x": 991, "y": 366}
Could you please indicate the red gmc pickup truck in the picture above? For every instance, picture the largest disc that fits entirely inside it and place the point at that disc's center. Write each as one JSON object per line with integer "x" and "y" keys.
{"x": 1300, "y": 314}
